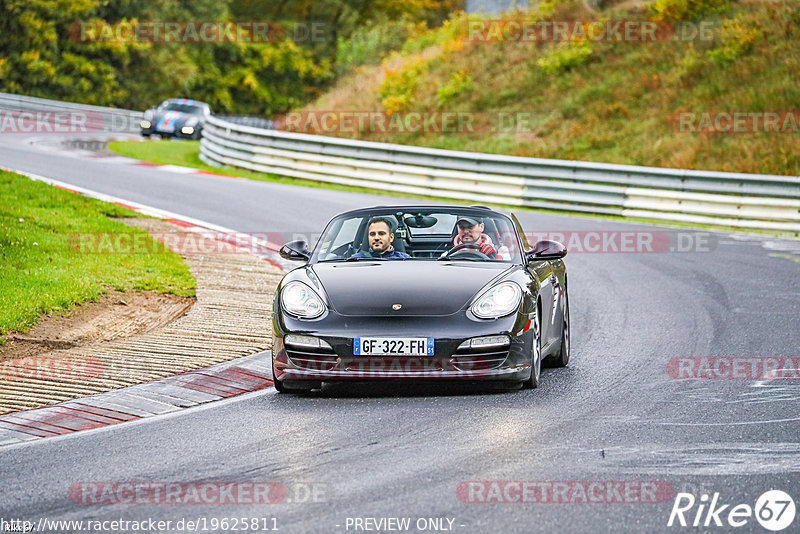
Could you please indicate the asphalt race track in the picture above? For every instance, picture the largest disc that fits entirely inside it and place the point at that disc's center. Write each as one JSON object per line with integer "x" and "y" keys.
{"x": 618, "y": 416}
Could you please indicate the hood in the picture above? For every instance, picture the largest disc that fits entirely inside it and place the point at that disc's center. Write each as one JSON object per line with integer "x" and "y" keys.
{"x": 176, "y": 119}
{"x": 371, "y": 288}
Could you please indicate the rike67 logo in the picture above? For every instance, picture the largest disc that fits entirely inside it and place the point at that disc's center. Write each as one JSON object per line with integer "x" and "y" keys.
{"x": 774, "y": 510}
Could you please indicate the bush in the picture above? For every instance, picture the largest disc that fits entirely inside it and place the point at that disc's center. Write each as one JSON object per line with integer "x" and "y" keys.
{"x": 397, "y": 90}
{"x": 736, "y": 38}
{"x": 565, "y": 56}
{"x": 459, "y": 83}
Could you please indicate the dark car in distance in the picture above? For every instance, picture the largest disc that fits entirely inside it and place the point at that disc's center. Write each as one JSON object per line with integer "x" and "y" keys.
{"x": 445, "y": 312}
{"x": 177, "y": 117}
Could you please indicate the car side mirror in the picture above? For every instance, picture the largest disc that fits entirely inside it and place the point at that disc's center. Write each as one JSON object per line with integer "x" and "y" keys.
{"x": 295, "y": 251}
{"x": 546, "y": 250}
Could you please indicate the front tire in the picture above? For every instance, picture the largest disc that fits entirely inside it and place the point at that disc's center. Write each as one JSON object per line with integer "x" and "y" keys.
{"x": 563, "y": 355}
{"x": 536, "y": 358}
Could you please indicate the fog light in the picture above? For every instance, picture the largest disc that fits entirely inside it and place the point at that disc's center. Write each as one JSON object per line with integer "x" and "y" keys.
{"x": 308, "y": 342}
{"x": 485, "y": 342}
{"x": 187, "y": 130}
{"x": 145, "y": 124}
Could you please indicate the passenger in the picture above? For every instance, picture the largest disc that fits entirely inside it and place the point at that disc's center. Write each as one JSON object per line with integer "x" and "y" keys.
{"x": 470, "y": 232}
{"x": 381, "y": 237}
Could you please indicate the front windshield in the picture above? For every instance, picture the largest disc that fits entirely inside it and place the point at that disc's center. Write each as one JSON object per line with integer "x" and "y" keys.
{"x": 183, "y": 108}
{"x": 424, "y": 235}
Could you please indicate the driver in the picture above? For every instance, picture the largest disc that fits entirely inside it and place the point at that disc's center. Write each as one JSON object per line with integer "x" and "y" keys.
{"x": 470, "y": 232}
{"x": 380, "y": 241}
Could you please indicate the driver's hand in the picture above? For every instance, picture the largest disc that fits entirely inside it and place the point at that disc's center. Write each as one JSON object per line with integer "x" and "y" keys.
{"x": 488, "y": 249}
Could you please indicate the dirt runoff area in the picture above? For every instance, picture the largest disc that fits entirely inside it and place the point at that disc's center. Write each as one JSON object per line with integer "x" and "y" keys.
{"x": 114, "y": 315}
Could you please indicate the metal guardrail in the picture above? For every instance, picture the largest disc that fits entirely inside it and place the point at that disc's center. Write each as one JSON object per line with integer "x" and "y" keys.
{"x": 253, "y": 122}
{"x": 764, "y": 202}
{"x": 75, "y": 118}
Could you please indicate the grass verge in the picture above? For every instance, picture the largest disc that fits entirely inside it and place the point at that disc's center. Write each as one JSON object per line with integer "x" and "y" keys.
{"x": 44, "y": 270}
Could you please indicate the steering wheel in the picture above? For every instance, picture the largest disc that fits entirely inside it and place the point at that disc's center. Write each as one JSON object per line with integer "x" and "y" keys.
{"x": 461, "y": 250}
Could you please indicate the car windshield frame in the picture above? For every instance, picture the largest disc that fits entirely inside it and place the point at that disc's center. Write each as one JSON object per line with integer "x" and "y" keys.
{"x": 334, "y": 225}
{"x": 189, "y": 109}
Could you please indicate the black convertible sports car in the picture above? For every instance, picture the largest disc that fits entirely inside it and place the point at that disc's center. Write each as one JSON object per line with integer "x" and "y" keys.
{"x": 176, "y": 117}
{"x": 420, "y": 292}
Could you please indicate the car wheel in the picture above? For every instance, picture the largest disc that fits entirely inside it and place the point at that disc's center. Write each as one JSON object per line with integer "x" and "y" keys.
{"x": 536, "y": 360}
{"x": 563, "y": 355}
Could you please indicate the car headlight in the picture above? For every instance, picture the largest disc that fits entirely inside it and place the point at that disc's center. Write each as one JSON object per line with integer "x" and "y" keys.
{"x": 306, "y": 342}
{"x": 187, "y": 130}
{"x": 485, "y": 342}
{"x": 145, "y": 124}
{"x": 300, "y": 300}
{"x": 499, "y": 301}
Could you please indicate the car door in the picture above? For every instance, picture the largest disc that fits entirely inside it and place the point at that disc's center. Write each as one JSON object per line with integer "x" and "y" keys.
{"x": 542, "y": 271}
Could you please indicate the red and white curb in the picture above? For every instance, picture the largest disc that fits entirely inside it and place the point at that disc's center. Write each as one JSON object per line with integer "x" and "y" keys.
{"x": 108, "y": 157}
{"x": 178, "y": 169}
{"x": 192, "y": 388}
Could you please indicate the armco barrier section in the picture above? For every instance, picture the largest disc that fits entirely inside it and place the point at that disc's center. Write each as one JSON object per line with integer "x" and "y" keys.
{"x": 749, "y": 201}
{"x": 98, "y": 119}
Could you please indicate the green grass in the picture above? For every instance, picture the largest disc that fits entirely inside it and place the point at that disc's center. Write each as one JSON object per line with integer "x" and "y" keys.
{"x": 186, "y": 154}
{"x": 163, "y": 152}
{"x": 43, "y": 269}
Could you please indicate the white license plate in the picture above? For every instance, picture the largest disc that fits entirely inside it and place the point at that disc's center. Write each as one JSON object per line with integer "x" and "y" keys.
{"x": 168, "y": 129}
{"x": 393, "y": 346}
